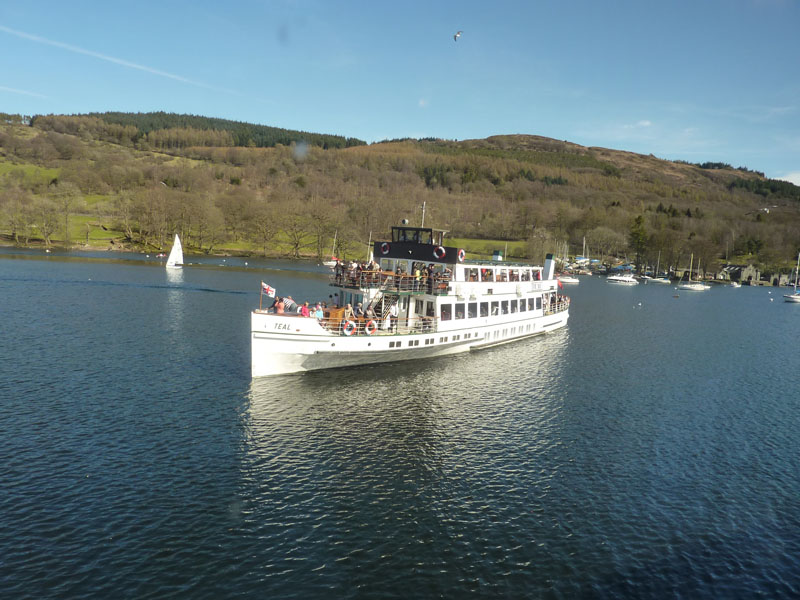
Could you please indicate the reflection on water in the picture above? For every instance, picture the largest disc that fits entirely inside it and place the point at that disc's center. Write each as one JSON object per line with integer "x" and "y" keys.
{"x": 398, "y": 462}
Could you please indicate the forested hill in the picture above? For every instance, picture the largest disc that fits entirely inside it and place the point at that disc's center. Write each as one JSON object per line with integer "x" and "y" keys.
{"x": 169, "y": 130}
{"x": 130, "y": 182}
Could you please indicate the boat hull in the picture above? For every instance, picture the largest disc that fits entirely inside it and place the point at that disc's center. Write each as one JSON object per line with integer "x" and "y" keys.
{"x": 282, "y": 344}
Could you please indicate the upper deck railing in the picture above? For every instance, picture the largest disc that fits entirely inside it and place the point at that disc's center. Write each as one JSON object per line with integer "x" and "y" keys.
{"x": 391, "y": 281}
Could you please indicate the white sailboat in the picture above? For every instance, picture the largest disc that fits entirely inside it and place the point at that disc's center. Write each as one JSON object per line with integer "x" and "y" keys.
{"x": 333, "y": 260}
{"x": 694, "y": 286}
{"x": 794, "y": 297}
{"x": 656, "y": 278}
{"x": 175, "y": 258}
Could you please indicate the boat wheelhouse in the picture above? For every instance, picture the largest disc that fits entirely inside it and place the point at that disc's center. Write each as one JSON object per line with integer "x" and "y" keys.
{"x": 420, "y": 299}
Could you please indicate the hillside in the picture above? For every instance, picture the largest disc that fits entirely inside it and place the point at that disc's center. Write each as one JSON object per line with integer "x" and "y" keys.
{"x": 101, "y": 178}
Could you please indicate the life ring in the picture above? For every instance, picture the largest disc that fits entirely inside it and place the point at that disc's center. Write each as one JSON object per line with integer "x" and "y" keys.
{"x": 385, "y": 247}
{"x": 461, "y": 255}
{"x": 371, "y": 327}
{"x": 439, "y": 253}
{"x": 348, "y": 327}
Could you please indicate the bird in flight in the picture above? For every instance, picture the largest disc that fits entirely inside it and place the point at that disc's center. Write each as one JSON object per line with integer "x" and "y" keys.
{"x": 457, "y": 35}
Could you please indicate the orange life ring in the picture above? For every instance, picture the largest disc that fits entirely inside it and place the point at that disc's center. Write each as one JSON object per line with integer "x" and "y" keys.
{"x": 439, "y": 253}
{"x": 385, "y": 247}
{"x": 371, "y": 327}
{"x": 348, "y": 327}
{"x": 461, "y": 255}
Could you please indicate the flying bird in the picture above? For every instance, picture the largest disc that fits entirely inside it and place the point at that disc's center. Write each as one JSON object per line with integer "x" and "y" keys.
{"x": 457, "y": 35}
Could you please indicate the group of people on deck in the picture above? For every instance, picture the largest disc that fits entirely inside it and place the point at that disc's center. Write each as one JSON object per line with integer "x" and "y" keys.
{"x": 422, "y": 277}
{"x": 286, "y": 305}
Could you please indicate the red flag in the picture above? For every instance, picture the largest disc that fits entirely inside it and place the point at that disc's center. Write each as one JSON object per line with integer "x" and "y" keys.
{"x": 561, "y": 285}
{"x": 269, "y": 291}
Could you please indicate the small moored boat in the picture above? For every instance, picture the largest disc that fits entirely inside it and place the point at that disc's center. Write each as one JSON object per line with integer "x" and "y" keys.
{"x": 622, "y": 279}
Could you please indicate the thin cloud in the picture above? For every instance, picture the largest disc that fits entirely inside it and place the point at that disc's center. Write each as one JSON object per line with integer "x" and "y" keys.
{"x": 23, "y": 92}
{"x": 111, "y": 59}
{"x": 791, "y": 177}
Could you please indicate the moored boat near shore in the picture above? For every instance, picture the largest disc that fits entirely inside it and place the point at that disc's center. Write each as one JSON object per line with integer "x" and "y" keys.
{"x": 622, "y": 279}
{"x": 419, "y": 299}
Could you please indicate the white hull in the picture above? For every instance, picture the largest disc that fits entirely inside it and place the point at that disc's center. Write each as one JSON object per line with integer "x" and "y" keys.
{"x": 289, "y": 344}
{"x": 659, "y": 280}
{"x": 694, "y": 286}
{"x": 622, "y": 279}
{"x": 791, "y": 297}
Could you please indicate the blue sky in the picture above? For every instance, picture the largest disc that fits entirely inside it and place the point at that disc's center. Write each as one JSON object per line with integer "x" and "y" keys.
{"x": 697, "y": 80}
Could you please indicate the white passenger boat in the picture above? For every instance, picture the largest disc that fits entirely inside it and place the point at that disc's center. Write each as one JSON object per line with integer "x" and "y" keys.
{"x": 427, "y": 301}
{"x": 622, "y": 279}
{"x": 568, "y": 279}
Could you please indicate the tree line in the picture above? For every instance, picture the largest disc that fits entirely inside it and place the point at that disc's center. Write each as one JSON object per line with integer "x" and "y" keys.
{"x": 544, "y": 192}
{"x": 162, "y": 130}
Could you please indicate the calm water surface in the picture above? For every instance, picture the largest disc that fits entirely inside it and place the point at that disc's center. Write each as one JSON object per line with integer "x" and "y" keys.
{"x": 647, "y": 451}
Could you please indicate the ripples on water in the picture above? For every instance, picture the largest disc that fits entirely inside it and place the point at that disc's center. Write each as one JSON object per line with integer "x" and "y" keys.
{"x": 649, "y": 450}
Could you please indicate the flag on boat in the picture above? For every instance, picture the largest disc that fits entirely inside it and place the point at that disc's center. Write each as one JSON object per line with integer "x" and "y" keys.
{"x": 561, "y": 285}
{"x": 268, "y": 290}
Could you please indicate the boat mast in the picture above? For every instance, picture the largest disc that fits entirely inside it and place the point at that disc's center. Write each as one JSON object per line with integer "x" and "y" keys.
{"x": 691, "y": 260}
{"x": 796, "y": 273}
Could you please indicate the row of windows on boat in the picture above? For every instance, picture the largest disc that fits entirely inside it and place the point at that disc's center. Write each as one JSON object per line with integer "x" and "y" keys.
{"x": 462, "y": 310}
{"x": 487, "y": 273}
{"x": 493, "y": 335}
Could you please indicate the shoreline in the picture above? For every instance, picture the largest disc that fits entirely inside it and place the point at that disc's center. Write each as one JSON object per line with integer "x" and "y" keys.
{"x": 127, "y": 248}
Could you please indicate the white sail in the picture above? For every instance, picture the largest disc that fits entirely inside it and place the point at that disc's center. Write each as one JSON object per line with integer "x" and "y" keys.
{"x": 175, "y": 258}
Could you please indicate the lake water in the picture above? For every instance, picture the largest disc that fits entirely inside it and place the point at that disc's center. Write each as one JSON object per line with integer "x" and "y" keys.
{"x": 648, "y": 450}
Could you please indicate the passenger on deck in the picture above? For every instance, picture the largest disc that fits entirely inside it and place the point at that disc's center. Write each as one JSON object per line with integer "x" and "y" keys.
{"x": 359, "y": 312}
{"x": 279, "y": 306}
{"x": 348, "y": 313}
{"x": 304, "y": 310}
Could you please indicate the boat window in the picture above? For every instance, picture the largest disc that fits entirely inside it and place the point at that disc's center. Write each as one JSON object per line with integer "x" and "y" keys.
{"x": 513, "y": 306}
{"x": 387, "y": 264}
{"x": 430, "y": 311}
{"x": 504, "y": 307}
{"x": 502, "y": 275}
{"x": 472, "y": 310}
{"x": 487, "y": 274}
{"x": 484, "y": 309}
{"x": 513, "y": 275}
{"x": 495, "y": 308}
{"x": 473, "y": 274}
{"x": 523, "y": 304}
{"x": 526, "y": 274}
{"x": 459, "y": 310}
{"x": 446, "y": 312}
{"x": 539, "y": 303}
